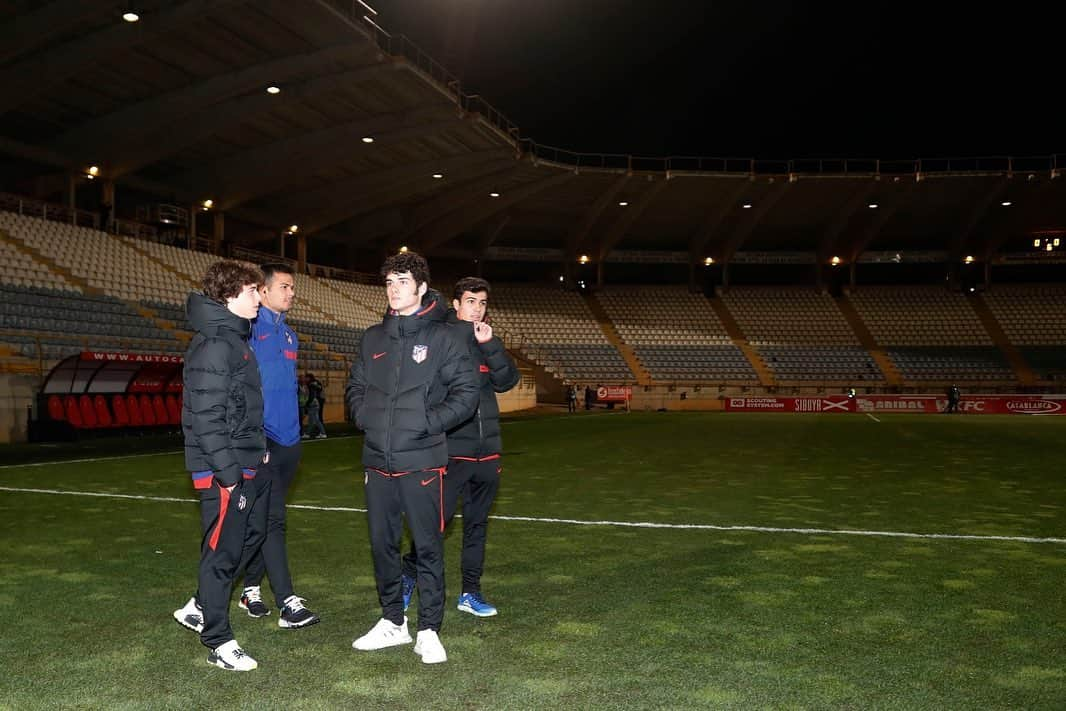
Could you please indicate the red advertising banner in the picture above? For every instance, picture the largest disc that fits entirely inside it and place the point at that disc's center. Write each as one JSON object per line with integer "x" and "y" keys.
{"x": 928, "y": 404}
{"x": 829, "y": 403}
{"x": 614, "y": 393}
{"x": 132, "y": 357}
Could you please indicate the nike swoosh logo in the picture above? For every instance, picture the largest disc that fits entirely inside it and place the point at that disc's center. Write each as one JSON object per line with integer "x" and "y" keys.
{"x": 264, "y": 337}
{"x": 427, "y": 482}
{"x": 378, "y": 355}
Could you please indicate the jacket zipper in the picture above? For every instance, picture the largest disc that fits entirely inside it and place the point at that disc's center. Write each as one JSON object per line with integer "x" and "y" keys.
{"x": 392, "y": 402}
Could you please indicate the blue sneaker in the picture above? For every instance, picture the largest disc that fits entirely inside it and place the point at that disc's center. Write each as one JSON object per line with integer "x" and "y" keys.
{"x": 476, "y": 605}
{"x": 408, "y": 584}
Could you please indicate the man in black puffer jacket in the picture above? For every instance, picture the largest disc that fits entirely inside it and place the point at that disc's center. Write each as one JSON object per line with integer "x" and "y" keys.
{"x": 411, "y": 382}
{"x": 222, "y": 417}
{"x": 473, "y": 447}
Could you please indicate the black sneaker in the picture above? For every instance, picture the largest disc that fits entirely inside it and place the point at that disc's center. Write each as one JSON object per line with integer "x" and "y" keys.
{"x": 252, "y": 601}
{"x": 295, "y": 615}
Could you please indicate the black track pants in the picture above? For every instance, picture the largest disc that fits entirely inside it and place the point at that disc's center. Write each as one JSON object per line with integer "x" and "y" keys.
{"x": 224, "y": 517}
{"x": 273, "y": 480}
{"x": 476, "y": 483}
{"x": 418, "y": 497}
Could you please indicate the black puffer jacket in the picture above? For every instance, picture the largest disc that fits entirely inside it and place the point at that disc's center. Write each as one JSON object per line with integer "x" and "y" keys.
{"x": 222, "y": 402}
{"x": 413, "y": 381}
{"x": 480, "y": 435}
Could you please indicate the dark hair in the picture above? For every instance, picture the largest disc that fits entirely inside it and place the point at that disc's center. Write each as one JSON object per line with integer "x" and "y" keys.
{"x": 472, "y": 284}
{"x": 271, "y": 268}
{"x": 226, "y": 279}
{"x": 407, "y": 262}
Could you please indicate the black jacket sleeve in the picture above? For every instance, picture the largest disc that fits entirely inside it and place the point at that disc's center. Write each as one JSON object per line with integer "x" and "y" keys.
{"x": 503, "y": 373}
{"x": 459, "y": 376}
{"x": 208, "y": 383}
{"x": 355, "y": 390}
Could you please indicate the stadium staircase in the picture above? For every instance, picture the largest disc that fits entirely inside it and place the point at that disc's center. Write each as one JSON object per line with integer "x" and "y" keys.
{"x": 766, "y": 378}
{"x": 611, "y": 333}
{"x": 40, "y": 258}
{"x": 1022, "y": 371}
{"x": 892, "y": 374}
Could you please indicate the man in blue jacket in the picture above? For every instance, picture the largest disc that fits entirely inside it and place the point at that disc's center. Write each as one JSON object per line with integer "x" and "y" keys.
{"x": 276, "y": 346}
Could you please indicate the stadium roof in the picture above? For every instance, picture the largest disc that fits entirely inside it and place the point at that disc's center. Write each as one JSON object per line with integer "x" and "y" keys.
{"x": 177, "y": 105}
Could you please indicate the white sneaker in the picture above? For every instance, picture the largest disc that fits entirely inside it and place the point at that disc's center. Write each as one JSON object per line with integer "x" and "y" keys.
{"x": 231, "y": 657}
{"x": 429, "y": 647}
{"x": 383, "y": 634}
{"x": 321, "y": 436}
{"x": 190, "y": 616}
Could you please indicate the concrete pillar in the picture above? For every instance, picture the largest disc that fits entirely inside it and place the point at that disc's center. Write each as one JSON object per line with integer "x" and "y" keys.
{"x": 194, "y": 210}
{"x": 301, "y": 253}
{"x": 218, "y": 236}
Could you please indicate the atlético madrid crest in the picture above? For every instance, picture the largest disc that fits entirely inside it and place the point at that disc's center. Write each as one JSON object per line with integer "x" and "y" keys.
{"x": 419, "y": 353}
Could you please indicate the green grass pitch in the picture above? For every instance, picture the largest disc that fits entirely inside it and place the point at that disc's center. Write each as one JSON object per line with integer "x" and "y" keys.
{"x": 775, "y": 582}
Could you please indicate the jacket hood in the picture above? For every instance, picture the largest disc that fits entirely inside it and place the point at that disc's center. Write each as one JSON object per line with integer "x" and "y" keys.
{"x": 210, "y": 317}
{"x": 432, "y": 310}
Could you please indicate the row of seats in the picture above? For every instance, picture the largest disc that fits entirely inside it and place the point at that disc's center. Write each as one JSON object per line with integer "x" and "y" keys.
{"x": 119, "y": 410}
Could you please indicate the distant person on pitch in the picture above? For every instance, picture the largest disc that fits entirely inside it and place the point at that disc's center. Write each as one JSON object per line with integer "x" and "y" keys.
{"x": 474, "y": 446}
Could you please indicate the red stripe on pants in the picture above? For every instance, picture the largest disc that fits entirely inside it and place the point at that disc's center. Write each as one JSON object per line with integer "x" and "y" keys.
{"x": 223, "y": 504}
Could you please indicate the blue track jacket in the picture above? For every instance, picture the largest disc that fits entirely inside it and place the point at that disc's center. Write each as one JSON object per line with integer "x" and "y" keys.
{"x": 275, "y": 346}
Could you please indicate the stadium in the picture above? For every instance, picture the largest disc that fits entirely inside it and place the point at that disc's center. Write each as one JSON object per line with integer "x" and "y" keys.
{"x": 759, "y": 502}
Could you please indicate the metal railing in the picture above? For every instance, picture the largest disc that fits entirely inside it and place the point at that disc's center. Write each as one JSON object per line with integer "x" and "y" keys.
{"x": 399, "y": 46}
{"x": 48, "y": 211}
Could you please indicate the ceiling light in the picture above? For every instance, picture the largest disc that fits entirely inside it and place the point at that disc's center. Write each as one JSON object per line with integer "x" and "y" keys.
{"x": 835, "y": 261}
{"x": 1006, "y": 203}
{"x": 130, "y": 16}
{"x": 93, "y": 171}
{"x": 293, "y": 229}
{"x": 709, "y": 261}
{"x": 438, "y": 176}
{"x": 584, "y": 259}
{"x": 872, "y": 206}
{"x": 968, "y": 259}
{"x": 494, "y": 194}
{"x": 403, "y": 249}
{"x": 623, "y": 203}
{"x": 368, "y": 139}
{"x": 273, "y": 90}
{"x": 746, "y": 206}
{"x": 208, "y": 204}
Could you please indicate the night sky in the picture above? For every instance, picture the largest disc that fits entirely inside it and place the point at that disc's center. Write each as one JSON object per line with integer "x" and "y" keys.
{"x": 763, "y": 79}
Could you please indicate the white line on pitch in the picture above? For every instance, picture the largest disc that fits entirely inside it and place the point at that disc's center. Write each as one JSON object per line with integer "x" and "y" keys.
{"x": 625, "y": 524}
{"x": 58, "y": 462}
{"x": 872, "y": 417}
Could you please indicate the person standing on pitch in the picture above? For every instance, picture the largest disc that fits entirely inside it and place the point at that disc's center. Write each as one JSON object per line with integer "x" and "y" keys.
{"x": 276, "y": 346}
{"x": 474, "y": 446}
{"x": 411, "y": 382}
{"x": 222, "y": 419}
